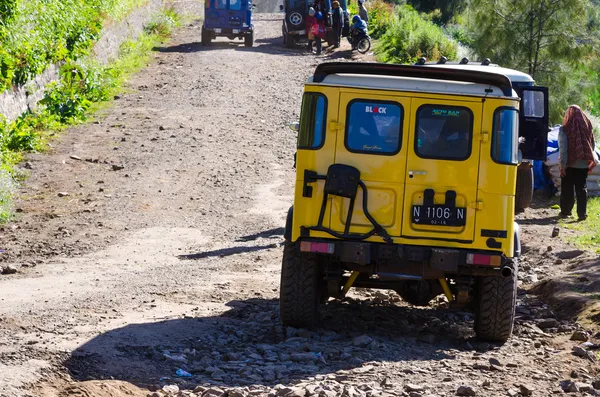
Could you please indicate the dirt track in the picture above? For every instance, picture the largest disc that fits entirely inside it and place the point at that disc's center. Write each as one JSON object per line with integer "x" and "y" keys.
{"x": 172, "y": 262}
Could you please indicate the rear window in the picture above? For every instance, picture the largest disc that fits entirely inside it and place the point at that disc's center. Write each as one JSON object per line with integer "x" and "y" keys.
{"x": 374, "y": 127}
{"x": 235, "y": 5}
{"x": 444, "y": 132}
{"x": 220, "y": 4}
{"x": 312, "y": 121}
{"x": 505, "y": 144}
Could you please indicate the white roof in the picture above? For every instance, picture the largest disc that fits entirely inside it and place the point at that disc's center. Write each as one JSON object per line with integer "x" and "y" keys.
{"x": 513, "y": 75}
{"x": 396, "y": 83}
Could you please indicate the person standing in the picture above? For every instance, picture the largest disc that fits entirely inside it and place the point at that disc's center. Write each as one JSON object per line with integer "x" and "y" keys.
{"x": 362, "y": 12}
{"x": 577, "y": 159}
{"x": 338, "y": 23}
{"x": 311, "y": 23}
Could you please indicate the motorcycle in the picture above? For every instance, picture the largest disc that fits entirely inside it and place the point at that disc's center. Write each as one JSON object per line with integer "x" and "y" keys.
{"x": 360, "y": 42}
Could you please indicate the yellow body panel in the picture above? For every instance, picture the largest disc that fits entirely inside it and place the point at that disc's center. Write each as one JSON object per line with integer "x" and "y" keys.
{"x": 396, "y": 182}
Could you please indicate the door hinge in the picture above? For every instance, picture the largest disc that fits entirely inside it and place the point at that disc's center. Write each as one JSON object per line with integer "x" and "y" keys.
{"x": 478, "y": 205}
{"x": 484, "y": 137}
{"x": 335, "y": 126}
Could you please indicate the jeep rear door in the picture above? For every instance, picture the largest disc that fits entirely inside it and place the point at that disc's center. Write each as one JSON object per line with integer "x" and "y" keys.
{"x": 372, "y": 134}
{"x": 533, "y": 122}
{"x": 440, "y": 196}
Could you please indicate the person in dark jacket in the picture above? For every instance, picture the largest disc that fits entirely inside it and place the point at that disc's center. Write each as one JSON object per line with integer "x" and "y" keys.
{"x": 358, "y": 29}
{"x": 577, "y": 159}
{"x": 338, "y": 23}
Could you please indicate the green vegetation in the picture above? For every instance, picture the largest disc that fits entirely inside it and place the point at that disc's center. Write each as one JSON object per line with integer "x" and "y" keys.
{"x": 83, "y": 86}
{"x": 409, "y": 36}
{"x": 37, "y": 33}
{"x": 588, "y": 231}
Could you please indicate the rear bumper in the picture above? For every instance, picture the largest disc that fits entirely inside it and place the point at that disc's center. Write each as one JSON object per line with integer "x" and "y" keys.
{"x": 297, "y": 32}
{"x": 229, "y": 31}
{"x": 396, "y": 261}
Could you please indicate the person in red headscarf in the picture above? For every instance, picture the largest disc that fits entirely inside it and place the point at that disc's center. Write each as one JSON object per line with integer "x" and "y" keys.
{"x": 577, "y": 159}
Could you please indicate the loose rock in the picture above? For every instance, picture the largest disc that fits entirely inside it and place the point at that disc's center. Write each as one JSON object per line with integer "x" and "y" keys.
{"x": 582, "y": 336}
{"x": 526, "y": 390}
{"x": 465, "y": 391}
{"x": 362, "y": 340}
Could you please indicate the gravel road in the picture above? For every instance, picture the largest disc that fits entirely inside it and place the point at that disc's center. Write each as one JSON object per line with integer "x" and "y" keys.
{"x": 149, "y": 241}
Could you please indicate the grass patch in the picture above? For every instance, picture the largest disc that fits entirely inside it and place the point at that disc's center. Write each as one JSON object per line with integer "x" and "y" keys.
{"x": 588, "y": 231}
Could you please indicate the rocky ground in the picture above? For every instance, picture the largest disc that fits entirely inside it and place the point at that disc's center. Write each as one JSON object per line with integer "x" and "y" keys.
{"x": 145, "y": 260}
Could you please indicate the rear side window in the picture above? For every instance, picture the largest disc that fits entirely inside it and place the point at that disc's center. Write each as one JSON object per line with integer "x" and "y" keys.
{"x": 374, "y": 127}
{"x": 312, "y": 121}
{"x": 505, "y": 144}
{"x": 444, "y": 132}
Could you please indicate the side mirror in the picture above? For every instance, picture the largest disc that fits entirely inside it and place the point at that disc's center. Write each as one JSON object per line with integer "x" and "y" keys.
{"x": 295, "y": 126}
{"x": 280, "y": 7}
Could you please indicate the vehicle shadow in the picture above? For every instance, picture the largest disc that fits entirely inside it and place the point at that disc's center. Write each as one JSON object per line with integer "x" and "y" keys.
{"x": 267, "y": 46}
{"x": 276, "y": 232}
{"x": 223, "y": 252}
{"x": 248, "y": 345}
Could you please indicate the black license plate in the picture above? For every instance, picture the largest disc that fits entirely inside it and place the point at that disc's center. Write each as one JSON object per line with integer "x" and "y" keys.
{"x": 439, "y": 215}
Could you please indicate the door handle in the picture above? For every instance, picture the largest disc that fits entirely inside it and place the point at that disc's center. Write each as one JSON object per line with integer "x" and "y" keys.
{"x": 412, "y": 173}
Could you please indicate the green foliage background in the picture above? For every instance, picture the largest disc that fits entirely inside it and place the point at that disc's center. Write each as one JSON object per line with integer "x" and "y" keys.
{"x": 36, "y": 33}
{"x": 409, "y": 36}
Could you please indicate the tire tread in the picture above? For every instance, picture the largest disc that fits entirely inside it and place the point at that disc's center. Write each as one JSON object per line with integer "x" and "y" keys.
{"x": 496, "y": 307}
{"x": 299, "y": 291}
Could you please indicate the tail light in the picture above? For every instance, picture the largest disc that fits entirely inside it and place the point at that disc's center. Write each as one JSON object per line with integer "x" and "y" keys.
{"x": 321, "y": 248}
{"x": 484, "y": 260}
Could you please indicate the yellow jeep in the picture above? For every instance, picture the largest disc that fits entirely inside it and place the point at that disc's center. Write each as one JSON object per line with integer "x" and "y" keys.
{"x": 405, "y": 181}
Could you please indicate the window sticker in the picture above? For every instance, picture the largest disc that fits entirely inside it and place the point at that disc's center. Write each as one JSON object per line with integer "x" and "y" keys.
{"x": 443, "y": 132}
{"x": 374, "y": 127}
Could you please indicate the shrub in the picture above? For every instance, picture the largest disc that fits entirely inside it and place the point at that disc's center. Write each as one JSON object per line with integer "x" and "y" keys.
{"x": 409, "y": 37}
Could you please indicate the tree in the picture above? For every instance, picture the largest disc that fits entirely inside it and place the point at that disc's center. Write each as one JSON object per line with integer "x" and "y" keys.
{"x": 548, "y": 39}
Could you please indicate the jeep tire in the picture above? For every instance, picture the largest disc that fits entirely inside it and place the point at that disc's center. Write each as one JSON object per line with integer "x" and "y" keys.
{"x": 299, "y": 293}
{"x": 524, "y": 191}
{"x": 290, "y": 41}
{"x": 249, "y": 39}
{"x": 206, "y": 37}
{"x": 496, "y": 302}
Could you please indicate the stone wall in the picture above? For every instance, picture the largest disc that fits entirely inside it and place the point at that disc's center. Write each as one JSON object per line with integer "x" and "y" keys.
{"x": 16, "y": 101}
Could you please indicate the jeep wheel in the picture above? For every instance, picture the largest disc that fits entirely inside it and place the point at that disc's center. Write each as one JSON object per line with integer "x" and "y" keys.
{"x": 524, "y": 191}
{"x": 290, "y": 42}
{"x": 249, "y": 39}
{"x": 496, "y": 301}
{"x": 299, "y": 293}
{"x": 206, "y": 37}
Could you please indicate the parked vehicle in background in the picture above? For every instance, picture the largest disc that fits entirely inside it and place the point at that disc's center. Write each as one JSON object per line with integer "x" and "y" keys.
{"x": 534, "y": 123}
{"x": 228, "y": 18}
{"x": 293, "y": 28}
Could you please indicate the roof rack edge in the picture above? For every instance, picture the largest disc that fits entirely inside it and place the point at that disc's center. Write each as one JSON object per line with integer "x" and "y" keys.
{"x": 382, "y": 69}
